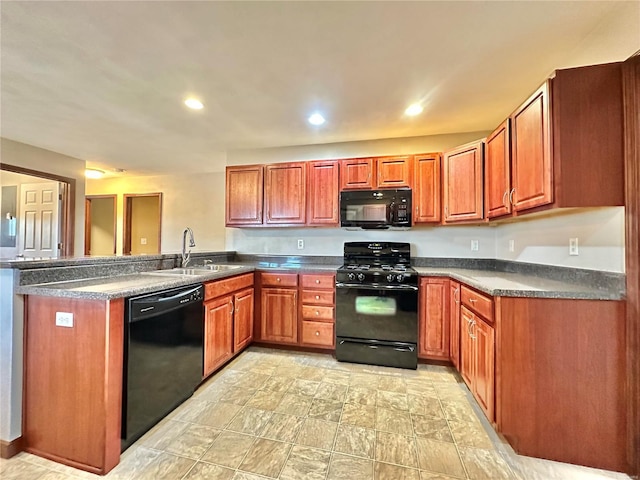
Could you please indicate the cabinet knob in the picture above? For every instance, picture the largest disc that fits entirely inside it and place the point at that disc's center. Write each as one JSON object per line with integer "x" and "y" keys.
{"x": 317, "y": 333}
{"x": 278, "y": 279}
{"x": 317, "y": 297}
{"x": 317, "y": 280}
{"x": 317, "y": 313}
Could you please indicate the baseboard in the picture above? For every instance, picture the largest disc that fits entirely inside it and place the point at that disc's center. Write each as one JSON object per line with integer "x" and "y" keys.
{"x": 9, "y": 449}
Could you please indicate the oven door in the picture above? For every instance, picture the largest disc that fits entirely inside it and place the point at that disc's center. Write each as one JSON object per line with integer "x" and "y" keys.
{"x": 377, "y": 312}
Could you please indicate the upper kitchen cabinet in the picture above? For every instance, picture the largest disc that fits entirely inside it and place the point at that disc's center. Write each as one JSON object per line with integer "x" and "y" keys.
{"x": 427, "y": 188}
{"x": 285, "y": 190}
{"x": 379, "y": 172}
{"x": 357, "y": 173}
{"x": 244, "y": 194}
{"x": 462, "y": 183}
{"x": 497, "y": 172}
{"x": 322, "y": 193}
{"x": 393, "y": 172}
{"x": 567, "y": 142}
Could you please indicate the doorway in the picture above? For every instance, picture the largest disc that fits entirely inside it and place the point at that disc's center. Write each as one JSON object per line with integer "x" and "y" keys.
{"x": 142, "y": 223}
{"x": 100, "y": 225}
{"x": 55, "y": 226}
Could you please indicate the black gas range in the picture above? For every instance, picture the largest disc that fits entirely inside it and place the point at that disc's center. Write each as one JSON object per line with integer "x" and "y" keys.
{"x": 377, "y": 305}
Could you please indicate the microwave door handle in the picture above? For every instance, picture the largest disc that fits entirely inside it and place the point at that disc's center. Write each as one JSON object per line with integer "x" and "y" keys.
{"x": 392, "y": 207}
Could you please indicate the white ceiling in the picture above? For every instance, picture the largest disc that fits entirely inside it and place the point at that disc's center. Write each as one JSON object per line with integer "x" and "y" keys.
{"x": 105, "y": 81}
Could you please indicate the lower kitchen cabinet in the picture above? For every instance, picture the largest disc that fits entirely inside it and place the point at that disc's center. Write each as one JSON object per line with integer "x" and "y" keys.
{"x": 228, "y": 319}
{"x": 278, "y": 308}
{"x": 477, "y": 356}
{"x": 454, "y": 323}
{"x": 433, "y": 318}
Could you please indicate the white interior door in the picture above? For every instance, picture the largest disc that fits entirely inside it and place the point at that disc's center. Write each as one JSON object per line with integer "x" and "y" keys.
{"x": 39, "y": 219}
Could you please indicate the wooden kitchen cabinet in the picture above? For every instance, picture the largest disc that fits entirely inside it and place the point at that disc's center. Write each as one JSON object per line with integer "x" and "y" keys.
{"x": 463, "y": 183}
{"x": 218, "y": 333}
{"x": 244, "y": 195}
{"x": 477, "y": 347}
{"x": 357, "y": 173}
{"x": 285, "y": 193}
{"x": 394, "y": 172}
{"x": 454, "y": 323}
{"x": 278, "y": 308}
{"x": 228, "y": 319}
{"x": 497, "y": 172}
{"x": 317, "y": 310}
{"x": 323, "y": 193}
{"x": 427, "y": 188}
{"x": 567, "y": 144}
{"x": 433, "y": 318}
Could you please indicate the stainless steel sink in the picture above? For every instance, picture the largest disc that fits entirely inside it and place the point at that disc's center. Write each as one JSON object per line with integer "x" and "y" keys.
{"x": 200, "y": 270}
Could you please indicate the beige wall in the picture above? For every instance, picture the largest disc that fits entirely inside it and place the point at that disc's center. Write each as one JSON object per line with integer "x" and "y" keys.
{"x": 102, "y": 226}
{"x": 195, "y": 201}
{"x": 34, "y": 158}
{"x": 145, "y": 225}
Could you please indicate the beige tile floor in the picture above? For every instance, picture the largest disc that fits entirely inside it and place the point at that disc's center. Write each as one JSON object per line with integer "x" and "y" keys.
{"x": 289, "y": 415}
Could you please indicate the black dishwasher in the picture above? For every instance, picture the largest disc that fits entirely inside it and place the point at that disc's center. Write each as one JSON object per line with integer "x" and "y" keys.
{"x": 163, "y": 355}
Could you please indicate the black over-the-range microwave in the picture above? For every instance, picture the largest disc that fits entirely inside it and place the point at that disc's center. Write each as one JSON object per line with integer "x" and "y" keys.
{"x": 376, "y": 209}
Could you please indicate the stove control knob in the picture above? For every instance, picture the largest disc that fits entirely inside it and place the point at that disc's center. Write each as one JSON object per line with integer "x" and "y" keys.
{"x": 400, "y": 277}
{"x": 390, "y": 278}
{"x": 361, "y": 276}
{"x": 352, "y": 276}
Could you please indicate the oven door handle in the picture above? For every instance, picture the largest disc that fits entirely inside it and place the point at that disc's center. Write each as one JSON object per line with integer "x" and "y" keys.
{"x": 376, "y": 287}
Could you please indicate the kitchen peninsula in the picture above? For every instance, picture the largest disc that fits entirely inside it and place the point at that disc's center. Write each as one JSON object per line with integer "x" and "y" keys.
{"x": 547, "y": 324}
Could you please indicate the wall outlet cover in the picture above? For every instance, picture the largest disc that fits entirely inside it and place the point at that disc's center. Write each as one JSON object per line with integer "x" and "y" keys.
{"x": 474, "y": 245}
{"x": 573, "y": 246}
{"x": 512, "y": 245}
{"x": 64, "y": 319}
{"x": 143, "y": 241}
{"x": 300, "y": 244}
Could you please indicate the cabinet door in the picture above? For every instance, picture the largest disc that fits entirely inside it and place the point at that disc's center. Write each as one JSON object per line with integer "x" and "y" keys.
{"x": 218, "y": 320}
{"x": 285, "y": 191}
{"x": 322, "y": 193}
{"x": 531, "y": 152}
{"x": 454, "y": 323}
{"x": 463, "y": 183}
{"x": 357, "y": 173}
{"x": 279, "y": 315}
{"x": 434, "y": 318}
{"x": 242, "y": 319}
{"x": 484, "y": 383}
{"x": 497, "y": 172}
{"x": 427, "y": 192}
{"x": 394, "y": 172}
{"x": 243, "y": 195}
{"x": 467, "y": 354}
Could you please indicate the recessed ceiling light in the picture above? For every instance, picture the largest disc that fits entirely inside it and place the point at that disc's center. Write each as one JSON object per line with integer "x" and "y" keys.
{"x": 413, "y": 110}
{"x": 316, "y": 119}
{"x": 93, "y": 173}
{"x": 194, "y": 103}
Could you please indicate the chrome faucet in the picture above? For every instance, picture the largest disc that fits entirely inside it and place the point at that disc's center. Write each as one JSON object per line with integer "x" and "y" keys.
{"x": 186, "y": 256}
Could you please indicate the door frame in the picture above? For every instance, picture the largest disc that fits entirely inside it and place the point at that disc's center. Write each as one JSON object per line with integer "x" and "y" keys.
{"x": 631, "y": 128}
{"x": 127, "y": 207}
{"x": 68, "y": 207}
{"x": 87, "y": 220}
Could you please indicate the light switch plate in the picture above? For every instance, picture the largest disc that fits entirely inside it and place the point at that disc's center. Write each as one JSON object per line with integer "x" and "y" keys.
{"x": 143, "y": 241}
{"x": 474, "y": 245}
{"x": 64, "y": 319}
{"x": 512, "y": 245}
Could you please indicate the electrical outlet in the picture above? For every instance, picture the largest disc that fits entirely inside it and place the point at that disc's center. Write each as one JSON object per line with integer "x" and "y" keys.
{"x": 300, "y": 244}
{"x": 512, "y": 245}
{"x": 573, "y": 246}
{"x": 64, "y": 319}
{"x": 474, "y": 245}
{"x": 143, "y": 241}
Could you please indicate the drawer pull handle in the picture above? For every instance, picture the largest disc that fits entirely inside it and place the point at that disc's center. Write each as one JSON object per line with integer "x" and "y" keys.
{"x": 317, "y": 280}
{"x": 317, "y": 297}
{"x": 317, "y": 333}
{"x": 473, "y": 300}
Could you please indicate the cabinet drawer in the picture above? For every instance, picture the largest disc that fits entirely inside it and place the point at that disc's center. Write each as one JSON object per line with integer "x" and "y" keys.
{"x": 317, "y": 333}
{"x": 481, "y": 304}
{"x": 317, "y": 297}
{"x": 317, "y": 313}
{"x": 318, "y": 281}
{"x": 227, "y": 285}
{"x": 279, "y": 279}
